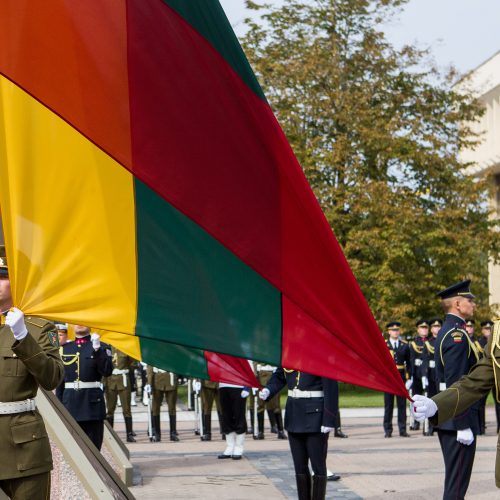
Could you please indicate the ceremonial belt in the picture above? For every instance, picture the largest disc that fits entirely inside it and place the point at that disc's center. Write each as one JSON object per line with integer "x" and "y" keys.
{"x": 265, "y": 368}
{"x": 82, "y": 385}
{"x": 159, "y": 370}
{"x": 17, "y": 407}
{"x": 297, "y": 393}
{"x": 418, "y": 362}
{"x": 400, "y": 367}
{"x": 123, "y": 373}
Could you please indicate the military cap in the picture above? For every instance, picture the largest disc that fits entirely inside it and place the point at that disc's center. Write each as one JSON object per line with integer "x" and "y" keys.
{"x": 3, "y": 262}
{"x": 61, "y": 326}
{"x": 470, "y": 322}
{"x": 460, "y": 289}
{"x": 393, "y": 325}
{"x": 422, "y": 322}
{"x": 436, "y": 322}
{"x": 487, "y": 324}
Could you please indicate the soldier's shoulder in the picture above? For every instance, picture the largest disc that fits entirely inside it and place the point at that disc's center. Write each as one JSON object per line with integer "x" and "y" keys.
{"x": 38, "y": 322}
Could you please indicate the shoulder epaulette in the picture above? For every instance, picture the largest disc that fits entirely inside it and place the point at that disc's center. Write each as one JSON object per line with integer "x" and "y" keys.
{"x": 40, "y": 322}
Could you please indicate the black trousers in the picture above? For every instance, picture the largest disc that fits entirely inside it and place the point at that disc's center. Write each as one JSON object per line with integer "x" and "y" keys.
{"x": 94, "y": 430}
{"x": 458, "y": 462}
{"x": 389, "y": 409}
{"x": 233, "y": 410}
{"x": 309, "y": 446}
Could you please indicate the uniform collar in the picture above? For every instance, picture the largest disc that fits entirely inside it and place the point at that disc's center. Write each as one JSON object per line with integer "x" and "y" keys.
{"x": 82, "y": 340}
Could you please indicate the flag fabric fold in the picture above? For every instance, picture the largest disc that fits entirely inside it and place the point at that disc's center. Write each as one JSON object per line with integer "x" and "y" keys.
{"x": 148, "y": 189}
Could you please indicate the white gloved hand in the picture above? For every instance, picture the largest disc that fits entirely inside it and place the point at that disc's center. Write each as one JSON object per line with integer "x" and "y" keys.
{"x": 15, "y": 320}
{"x": 96, "y": 340}
{"x": 196, "y": 385}
{"x": 245, "y": 393}
{"x": 255, "y": 391}
{"x": 264, "y": 394}
{"x": 425, "y": 382}
{"x": 465, "y": 436}
{"x": 147, "y": 388}
{"x": 326, "y": 430}
{"x": 409, "y": 383}
{"x": 423, "y": 408}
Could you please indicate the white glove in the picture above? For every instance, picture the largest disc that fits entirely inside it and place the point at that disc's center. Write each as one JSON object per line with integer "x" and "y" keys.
{"x": 255, "y": 391}
{"x": 96, "y": 340}
{"x": 15, "y": 320}
{"x": 423, "y": 408}
{"x": 245, "y": 393}
{"x": 196, "y": 385}
{"x": 147, "y": 388}
{"x": 425, "y": 382}
{"x": 465, "y": 436}
{"x": 326, "y": 430}
{"x": 409, "y": 383}
{"x": 264, "y": 394}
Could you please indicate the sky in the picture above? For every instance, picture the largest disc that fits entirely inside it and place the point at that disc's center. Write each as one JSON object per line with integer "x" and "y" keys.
{"x": 460, "y": 32}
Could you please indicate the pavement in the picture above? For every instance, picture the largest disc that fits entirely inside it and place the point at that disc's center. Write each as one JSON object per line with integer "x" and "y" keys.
{"x": 372, "y": 467}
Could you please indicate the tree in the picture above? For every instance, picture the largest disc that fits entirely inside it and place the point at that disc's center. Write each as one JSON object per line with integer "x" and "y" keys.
{"x": 378, "y": 132}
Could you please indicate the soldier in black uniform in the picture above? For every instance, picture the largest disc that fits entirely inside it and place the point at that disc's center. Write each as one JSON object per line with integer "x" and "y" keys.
{"x": 417, "y": 356}
{"x": 401, "y": 354}
{"x": 309, "y": 417}
{"x": 29, "y": 359}
{"x": 486, "y": 328}
{"x": 86, "y": 361}
{"x": 455, "y": 354}
{"x": 430, "y": 365}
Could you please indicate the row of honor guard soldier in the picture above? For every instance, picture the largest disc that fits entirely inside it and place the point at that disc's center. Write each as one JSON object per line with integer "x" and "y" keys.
{"x": 161, "y": 384}
{"x": 29, "y": 358}
{"x": 117, "y": 385}
{"x": 86, "y": 362}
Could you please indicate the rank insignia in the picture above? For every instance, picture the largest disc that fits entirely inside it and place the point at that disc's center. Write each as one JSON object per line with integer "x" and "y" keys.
{"x": 53, "y": 338}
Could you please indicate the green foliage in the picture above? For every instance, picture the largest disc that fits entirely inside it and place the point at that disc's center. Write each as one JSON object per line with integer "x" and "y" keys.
{"x": 378, "y": 132}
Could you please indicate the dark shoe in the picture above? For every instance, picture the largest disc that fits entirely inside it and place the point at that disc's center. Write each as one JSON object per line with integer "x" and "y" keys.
{"x": 259, "y": 436}
{"x": 404, "y": 434}
{"x": 339, "y": 434}
{"x": 156, "y": 428}
{"x": 128, "y": 427}
{"x": 388, "y": 435}
{"x": 206, "y": 437}
{"x": 303, "y": 486}
{"x": 236, "y": 457}
{"x": 282, "y": 435}
{"x": 415, "y": 426}
{"x": 222, "y": 456}
{"x": 333, "y": 477}
{"x": 173, "y": 428}
{"x": 173, "y": 437}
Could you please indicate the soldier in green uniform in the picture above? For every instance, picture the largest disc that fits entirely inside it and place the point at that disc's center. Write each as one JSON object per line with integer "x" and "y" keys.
{"x": 118, "y": 385}
{"x": 162, "y": 383}
{"x": 29, "y": 357}
{"x": 209, "y": 393}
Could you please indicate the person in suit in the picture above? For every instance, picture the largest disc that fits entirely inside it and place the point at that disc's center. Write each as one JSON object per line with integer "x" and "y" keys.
{"x": 455, "y": 354}
{"x": 309, "y": 418}
{"x": 400, "y": 352}
{"x": 86, "y": 361}
{"x": 29, "y": 359}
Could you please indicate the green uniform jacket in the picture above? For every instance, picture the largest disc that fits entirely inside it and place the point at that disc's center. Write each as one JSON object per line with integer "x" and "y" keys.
{"x": 121, "y": 361}
{"x": 161, "y": 381}
{"x": 469, "y": 389}
{"x": 24, "y": 445}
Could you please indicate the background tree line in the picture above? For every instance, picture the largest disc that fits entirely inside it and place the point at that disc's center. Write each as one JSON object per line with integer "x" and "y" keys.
{"x": 378, "y": 132}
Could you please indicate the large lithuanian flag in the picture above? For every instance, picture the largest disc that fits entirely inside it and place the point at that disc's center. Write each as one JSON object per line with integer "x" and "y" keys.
{"x": 146, "y": 188}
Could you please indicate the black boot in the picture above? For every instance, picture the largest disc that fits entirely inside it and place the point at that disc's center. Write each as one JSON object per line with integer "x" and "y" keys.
{"x": 303, "y": 486}
{"x": 173, "y": 428}
{"x": 319, "y": 487}
{"x": 207, "y": 427}
{"x": 157, "y": 428}
{"x": 128, "y": 427}
{"x": 111, "y": 420}
{"x": 222, "y": 435}
{"x": 279, "y": 424}
{"x": 260, "y": 423}
{"x": 272, "y": 421}
{"x": 338, "y": 429}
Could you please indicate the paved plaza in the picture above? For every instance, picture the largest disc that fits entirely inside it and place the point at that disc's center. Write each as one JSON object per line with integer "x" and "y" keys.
{"x": 371, "y": 466}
